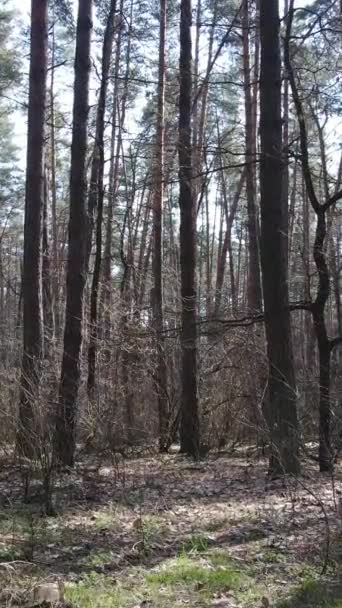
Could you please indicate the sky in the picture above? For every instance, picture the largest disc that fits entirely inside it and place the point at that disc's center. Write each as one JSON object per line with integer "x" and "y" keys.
{"x": 65, "y": 88}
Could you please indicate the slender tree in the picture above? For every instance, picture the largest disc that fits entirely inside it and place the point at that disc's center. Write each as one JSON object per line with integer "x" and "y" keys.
{"x": 254, "y": 281}
{"x": 34, "y": 203}
{"x": 113, "y": 182}
{"x": 64, "y": 439}
{"x": 189, "y": 404}
{"x": 318, "y": 307}
{"x": 281, "y": 409}
{"x": 53, "y": 185}
{"x": 96, "y": 196}
{"x": 157, "y": 260}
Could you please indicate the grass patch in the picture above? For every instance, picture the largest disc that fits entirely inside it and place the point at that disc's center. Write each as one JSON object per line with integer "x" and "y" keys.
{"x": 196, "y": 544}
{"x": 314, "y": 593}
{"x": 217, "y": 524}
{"x": 272, "y": 556}
{"x": 221, "y": 558}
{"x": 96, "y": 591}
{"x": 149, "y": 530}
{"x": 15, "y": 521}
{"x": 178, "y": 582}
{"x": 24, "y": 534}
{"x": 105, "y": 520}
{"x": 201, "y": 575}
{"x": 100, "y": 558}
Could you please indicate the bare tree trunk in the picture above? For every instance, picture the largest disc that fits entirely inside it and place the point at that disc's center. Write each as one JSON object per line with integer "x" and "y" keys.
{"x": 34, "y": 202}
{"x": 285, "y": 183}
{"x": 291, "y": 221}
{"x": 221, "y": 262}
{"x": 157, "y": 260}
{"x": 282, "y": 411}
{"x": 113, "y": 178}
{"x": 254, "y": 281}
{"x": 190, "y": 432}
{"x": 55, "y": 259}
{"x": 196, "y": 72}
{"x": 48, "y": 316}
{"x": 98, "y": 153}
{"x": 113, "y": 181}
{"x": 142, "y": 251}
{"x": 96, "y": 196}
{"x": 200, "y": 117}
{"x": 336, "y": 270}
{"x": 325, "y": 344}
{"x": 65, "y": 432}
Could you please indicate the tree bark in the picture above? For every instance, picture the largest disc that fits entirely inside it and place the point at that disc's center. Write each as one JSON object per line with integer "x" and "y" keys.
{"x": 55, "y": 280}
{"x": 113, "y": 182}
{"x": 96, "y": 196}
{"x": 221, "y": 262}
{"x": 254, "y": 294}
{"x": 325, "y": 345}
{"x": 285, "y": 185}
{"x": 48, "y": 316}
{"x": 282, "y": 411}
{"x": 64, "y": 438}
{"x": 34, "y": 202}
{"x": 157, "y": 260}
{"x": 189, "y": 417}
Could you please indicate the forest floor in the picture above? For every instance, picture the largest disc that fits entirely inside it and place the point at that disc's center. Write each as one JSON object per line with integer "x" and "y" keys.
{"x": 162, "y": 532}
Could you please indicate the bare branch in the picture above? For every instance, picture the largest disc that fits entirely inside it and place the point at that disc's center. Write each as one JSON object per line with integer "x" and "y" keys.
{"x": 300, "y": 115}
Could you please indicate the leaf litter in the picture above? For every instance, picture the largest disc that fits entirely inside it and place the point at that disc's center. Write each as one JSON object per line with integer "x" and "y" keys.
{"x": 170, "y": 533}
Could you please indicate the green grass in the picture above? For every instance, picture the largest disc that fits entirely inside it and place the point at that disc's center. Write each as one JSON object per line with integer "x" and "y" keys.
{"x": 100, "y": 558}
{"x": 150, "y": 530}
{"x": 183, "y": 580}
{"x": 196, "y": 544}
{"x": 199, "y": 574}
{"x": 106, "y": 520}
{"x": 96, "y": 591}
{"x": 272, "y": 556}
{"x": 23, "y": 533}
{"x": 314, "y": 593}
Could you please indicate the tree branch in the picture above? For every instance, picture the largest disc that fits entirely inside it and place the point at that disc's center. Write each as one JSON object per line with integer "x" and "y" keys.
{"x": 335, "y": 342}
{"x": 332, "y": 200}
{"x": 300, "y": 115}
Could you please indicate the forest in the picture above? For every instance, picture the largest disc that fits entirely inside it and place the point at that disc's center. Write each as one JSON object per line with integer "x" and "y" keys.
{"x": 170, "y": 303}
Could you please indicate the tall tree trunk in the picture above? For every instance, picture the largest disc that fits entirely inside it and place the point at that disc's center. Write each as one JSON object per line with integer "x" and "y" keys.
{"x": 65, "y": 439}
{"x": 96, "y": 196}
{"x": 53, "y": 186}
{"x": 291, "y": 220}
{"x": 336, "y": 271}
{"x": 285, "y": 183}
{"x": 48, "y": 316}
{"x": 113, "y": 181}
{"x": 325, "y": 344}
{"x": 157, "y": 260}
{"x": 98, "y": 152}
{"x": 254, "y": 282}
{"x": 200, "y": 116}
{"x": 34, "y": 201}
{"x": 221, "y": 262}
{"x": 196, "y": 72}
{"x": 189, "y": 404}
{"x": 282, "y": 411}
